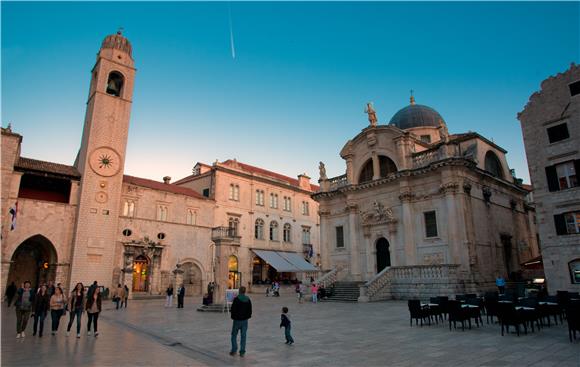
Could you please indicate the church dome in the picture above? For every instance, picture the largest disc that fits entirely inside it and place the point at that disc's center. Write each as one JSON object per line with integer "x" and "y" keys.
{"x": 416, "y": 115}
{"x": 117, "y": 41}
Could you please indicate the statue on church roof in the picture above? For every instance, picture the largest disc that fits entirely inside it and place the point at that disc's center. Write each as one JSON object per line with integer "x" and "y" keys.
{"x": 372, "y": 114}
{"x": 322, "y": 169}
{"x": 443, "y": 132}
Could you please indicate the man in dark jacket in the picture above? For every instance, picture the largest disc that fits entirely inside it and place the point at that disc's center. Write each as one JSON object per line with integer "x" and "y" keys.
{"x": 180, "y": 296}
{"x": 241, "y": 312}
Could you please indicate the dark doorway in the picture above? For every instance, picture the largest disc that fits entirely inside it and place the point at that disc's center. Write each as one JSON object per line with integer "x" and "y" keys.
{"x": 34, "y": 260}
{"x": 383, "y": 254}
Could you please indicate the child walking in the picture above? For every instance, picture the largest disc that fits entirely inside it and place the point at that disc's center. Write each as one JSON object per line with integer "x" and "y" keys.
{"x": 287, "y": 326}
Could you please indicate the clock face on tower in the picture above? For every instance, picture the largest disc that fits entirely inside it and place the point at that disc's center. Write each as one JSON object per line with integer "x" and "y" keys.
{"x": 105, "y": 161}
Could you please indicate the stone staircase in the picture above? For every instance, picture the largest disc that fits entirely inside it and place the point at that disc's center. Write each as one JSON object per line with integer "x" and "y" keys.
{"x": 345, "y": 292}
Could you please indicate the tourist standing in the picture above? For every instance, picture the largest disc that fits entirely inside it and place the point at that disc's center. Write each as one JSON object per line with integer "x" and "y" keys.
{"x": 40, "y": 309}
{"x": 500, "y": 282}
{"x": 76, "y": 305}
{"x": 180, "y": 296}
{"x": 119, "y": 295}
{"x": 93, "y": 307}
{"x": 126, "y": 296}
{"x": 57, "y": 303}
{"x": 301, "y": 290}
{"x": 23, "y": 304}
{"x": 169, "y": 297}
{"x": 10, "y": 293}
{"x": 314, "y": 290}
{"x": 287, "y": 325}
{"x": 241, "y": 311}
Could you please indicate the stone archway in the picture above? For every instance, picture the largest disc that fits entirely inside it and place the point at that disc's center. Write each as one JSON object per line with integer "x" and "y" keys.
{"x": 35, "y": 260}
{"x": 141, "y": 273}
{"x": 192, "y": 279}
{"x": 383, "y": 254}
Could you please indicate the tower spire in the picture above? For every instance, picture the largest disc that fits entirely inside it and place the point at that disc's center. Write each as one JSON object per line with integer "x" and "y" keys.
{"x": 412, "y": 97}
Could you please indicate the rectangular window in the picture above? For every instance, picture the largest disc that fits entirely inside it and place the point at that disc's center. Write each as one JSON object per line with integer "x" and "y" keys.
{"x": 287, "y": 204}
{"x": 339, "y": 237}
{"x": 574, "y": 88}
{"x": 274, "y": 201}
{"x": 567, "y": 223}
{"x": 305, "y": 209}
{"x": 205, "y": 193}
{"x": 563, "y": 176}
{"x": 129, "y": 208}
{"x": 234, "y": 192}
{"x": 161, "y": 213}
{"x": 430, "y": 224}
{"x": 305, "y": 235}
{"x": 558, "y": 132}
{"x": 260, "y": 197}
{"x": 426, "y": 138}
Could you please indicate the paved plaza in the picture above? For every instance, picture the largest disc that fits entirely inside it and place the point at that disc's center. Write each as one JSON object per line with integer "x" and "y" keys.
{"x": 326, "y": 334}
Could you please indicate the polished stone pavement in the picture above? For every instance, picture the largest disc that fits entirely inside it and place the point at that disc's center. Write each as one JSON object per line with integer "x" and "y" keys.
{"x": 326, "y": 334}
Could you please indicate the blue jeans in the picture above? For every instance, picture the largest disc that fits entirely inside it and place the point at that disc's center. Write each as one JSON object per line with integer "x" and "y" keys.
{"x": 239, "y": 325}
{"x": 39, "y": 319}
{"x": 73, "y": 314}
{"x": 288, "y": 335}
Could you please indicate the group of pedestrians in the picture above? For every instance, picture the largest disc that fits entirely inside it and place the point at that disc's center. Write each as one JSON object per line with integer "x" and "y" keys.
{"x": 169, "y": 296}
{"x": 121, "y": 296}
{"x": 52, "y": 299}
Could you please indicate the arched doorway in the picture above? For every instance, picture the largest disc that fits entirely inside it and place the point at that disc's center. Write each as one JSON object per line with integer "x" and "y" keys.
{"x": 141, "y": 274}
{"x": 383, "y": 254}
{"x": 192, "y": 279}
{"x": 34, "y": 260}
{"x": 234, "y": 276}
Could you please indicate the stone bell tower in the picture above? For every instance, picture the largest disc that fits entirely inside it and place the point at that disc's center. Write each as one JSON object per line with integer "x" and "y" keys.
{"x": 101, "y": 161}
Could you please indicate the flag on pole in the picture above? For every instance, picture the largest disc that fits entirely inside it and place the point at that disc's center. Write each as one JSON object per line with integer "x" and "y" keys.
{"x": 13, "y": 213}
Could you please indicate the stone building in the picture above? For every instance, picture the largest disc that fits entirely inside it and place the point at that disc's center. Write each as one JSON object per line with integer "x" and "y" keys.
{"x": 422, "y": 212}
{"x": 90, "y": 221}
{"x": 263, "y": 219}
{"x": 551, "y": 129}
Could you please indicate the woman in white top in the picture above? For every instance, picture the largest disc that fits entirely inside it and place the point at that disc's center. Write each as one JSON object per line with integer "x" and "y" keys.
{"x": 57, "y": 303}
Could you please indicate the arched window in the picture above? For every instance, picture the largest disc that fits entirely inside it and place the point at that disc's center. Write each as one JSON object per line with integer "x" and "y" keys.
{"x": 287, "y": 233}
{"x": 129, "y": 208}
{"x": 190, "y": 216}
{"x": 233, "y": 224}
{"x": 273, "y": 231}
{"x": 492, "y": 164}
{"x": 387, "y": 166}
{"x": 259, "y": 229}
{"x": 366, "y": 174}
{"x": 115, "y": 84}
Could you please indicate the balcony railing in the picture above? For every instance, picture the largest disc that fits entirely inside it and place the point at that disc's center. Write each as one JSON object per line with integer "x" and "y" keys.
{"x": 225, "y": 233}
{"x": 338, "y": 182}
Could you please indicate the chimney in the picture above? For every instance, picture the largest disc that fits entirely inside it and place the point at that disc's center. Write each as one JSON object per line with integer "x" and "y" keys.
{"x": 166, "y": 180}
{"x": 304, "y": 181}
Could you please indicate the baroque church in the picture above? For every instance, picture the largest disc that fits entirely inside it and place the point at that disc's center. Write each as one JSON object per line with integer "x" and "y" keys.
{"x": 423, "y": 212}
{"x": 90, "y": 221}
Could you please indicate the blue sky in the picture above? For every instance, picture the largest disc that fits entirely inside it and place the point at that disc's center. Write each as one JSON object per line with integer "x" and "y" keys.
{"x": 296, "y": 91}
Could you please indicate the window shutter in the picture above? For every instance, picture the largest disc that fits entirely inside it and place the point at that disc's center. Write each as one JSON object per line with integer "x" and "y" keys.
{"x": 560, "y": 223}
{"x": 552, "y": 178}
{"x": 577, "y": 168}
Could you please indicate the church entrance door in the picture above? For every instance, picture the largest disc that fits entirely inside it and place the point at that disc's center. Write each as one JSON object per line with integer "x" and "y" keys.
{"x": 141, "y": 274}
{"x": 383, "y": 254}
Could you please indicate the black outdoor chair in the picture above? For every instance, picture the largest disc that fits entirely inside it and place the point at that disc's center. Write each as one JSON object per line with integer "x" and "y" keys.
{"x": 443, "y": 302}
{"x": 508, "y": 316}
{"x": 554, "y": 309}
{"x": 458, "y": 313}
{"x": 417, "y": 312}
{"x": 460, "y": 297}
{"x": 532, "y": 313}
{"x": 474, "y": 312}
{"x": 435, "y": 311}
{"x": 491, "y": 306}
{"x": 573, "y": 318}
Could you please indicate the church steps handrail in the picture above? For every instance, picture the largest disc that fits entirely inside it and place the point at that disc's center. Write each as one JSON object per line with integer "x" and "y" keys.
{"x": 327, "y": 279}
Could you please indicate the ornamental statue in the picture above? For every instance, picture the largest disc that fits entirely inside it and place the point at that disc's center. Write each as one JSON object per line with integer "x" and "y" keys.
{"x": 372, "y": 114}
{"x": 322, "y": 170}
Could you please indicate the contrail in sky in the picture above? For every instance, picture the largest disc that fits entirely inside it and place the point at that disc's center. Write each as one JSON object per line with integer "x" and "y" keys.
{"x": 231, "y": 32}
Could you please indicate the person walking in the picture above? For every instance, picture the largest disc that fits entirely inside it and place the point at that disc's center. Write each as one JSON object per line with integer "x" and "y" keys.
{"x": 287, "y": 325}
{"x": 40, "y": 309}
{"x": 57, "y": 303}
{"x": 119, "y": 296}
{"x": 180, "y": 296}
{"x": 76, "y": 306}
{"x": 301, "y": 292}
{"x": 126, "y": 296}
{"x": 314, "y": 290}
{"x": 500, "y": 283}
{"x": 10, "y": 293}
{"x": 93, "y": 307}
{"x": 169, "y": 297}
{"x": 241, "y": 311}
{"x": 24, "y": 300}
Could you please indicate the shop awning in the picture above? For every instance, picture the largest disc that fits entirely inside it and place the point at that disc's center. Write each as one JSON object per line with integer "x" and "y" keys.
{"x": 283, "y": 262}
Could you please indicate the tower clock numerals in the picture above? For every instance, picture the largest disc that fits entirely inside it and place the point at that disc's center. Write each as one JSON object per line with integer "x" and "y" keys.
{"x": 105, "y": 161}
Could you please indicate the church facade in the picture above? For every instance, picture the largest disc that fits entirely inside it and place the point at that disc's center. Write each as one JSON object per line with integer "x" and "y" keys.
{"x": 423, "y": 212}
{"x": 90, "y": 221}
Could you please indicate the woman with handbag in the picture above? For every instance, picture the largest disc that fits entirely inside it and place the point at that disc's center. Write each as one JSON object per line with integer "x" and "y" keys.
{"x": 93, "y": 307}
{"x": 76, "y": 306}
{"x": 40, "y": 308}
{"x": 57, "y": 305}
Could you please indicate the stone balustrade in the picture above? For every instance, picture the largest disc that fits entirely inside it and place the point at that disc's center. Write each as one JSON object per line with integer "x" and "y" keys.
{"x": 338, "y": 182}
{"x": 327, "y": 279}
{"x": 422, "y": 159}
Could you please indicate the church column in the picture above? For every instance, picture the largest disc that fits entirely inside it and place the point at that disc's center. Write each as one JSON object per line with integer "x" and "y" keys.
{"x": 325, "y": 240}
{"x": 349, "y": 169}
{"x": 376, "y": 166}
{"x": 408, "y": 228}
{"x": 454, "y": 218}
{"x": 353, "y": 243}
{"x": 369, "y": 268}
